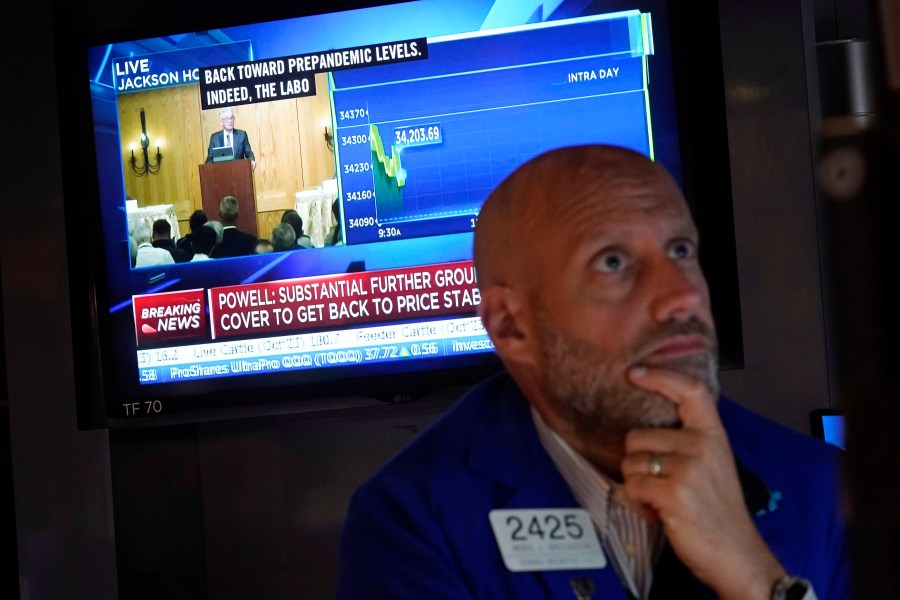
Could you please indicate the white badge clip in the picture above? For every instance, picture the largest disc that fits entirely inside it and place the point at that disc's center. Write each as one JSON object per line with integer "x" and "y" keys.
{"x": 546, "y": 539}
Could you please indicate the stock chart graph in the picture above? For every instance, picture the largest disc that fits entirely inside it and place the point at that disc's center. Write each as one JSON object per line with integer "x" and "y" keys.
{"x": 420, "y": 145}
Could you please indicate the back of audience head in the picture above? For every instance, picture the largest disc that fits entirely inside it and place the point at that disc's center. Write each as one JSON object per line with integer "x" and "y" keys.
{"x": 198, "y": 218}
{"x": 204, "y": 240}
{"x": 336, "y": 231}
{"x": 293, "y": 218}
{"x": 229, "y": 209}
{"x": 162, "y": 230}
{"x": 142, "y": 235}
{"x": 217, "y": 227}
{"x": 263, "y": 246}
{"x": 284, "y": 237}
{"x": 132, "y": 248}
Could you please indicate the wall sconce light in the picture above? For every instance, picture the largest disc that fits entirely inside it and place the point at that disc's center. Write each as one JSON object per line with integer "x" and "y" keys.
{"x": 329, "y": 139}
{"x": 147, "y": 167}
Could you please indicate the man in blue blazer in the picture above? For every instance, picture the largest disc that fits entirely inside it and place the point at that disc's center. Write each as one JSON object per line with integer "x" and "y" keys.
{"x": 603, "y": 463}
{"x": 229, "y": 136}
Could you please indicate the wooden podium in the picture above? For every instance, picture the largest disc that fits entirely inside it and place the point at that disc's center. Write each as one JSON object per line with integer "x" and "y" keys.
{"x": 229, "y": 178}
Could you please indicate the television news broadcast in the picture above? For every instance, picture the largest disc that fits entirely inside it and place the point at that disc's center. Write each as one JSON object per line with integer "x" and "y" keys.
{"x": 386, "y": 140}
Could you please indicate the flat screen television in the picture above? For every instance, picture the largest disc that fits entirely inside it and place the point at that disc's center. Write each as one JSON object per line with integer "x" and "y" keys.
{"x": 385, "y": 127}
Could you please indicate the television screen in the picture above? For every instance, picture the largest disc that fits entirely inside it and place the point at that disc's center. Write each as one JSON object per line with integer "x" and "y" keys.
{"x": 829, "y": 424}
{"x": 384, "y": 129}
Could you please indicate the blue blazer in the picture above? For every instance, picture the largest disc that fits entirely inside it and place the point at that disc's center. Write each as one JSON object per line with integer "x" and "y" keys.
{"x": 418, "y": 528}
{"x": 240, "y": 143}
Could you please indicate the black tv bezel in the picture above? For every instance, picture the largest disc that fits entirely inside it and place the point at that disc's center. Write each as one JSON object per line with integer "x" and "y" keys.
{"x": 817, "y": 420}
{"x": 700, "y": 109}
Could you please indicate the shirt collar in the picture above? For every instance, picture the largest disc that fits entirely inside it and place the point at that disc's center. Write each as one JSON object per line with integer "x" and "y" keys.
{"x": 591, "y": 487}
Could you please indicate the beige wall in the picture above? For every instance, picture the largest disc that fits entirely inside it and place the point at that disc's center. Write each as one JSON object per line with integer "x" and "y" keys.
{"x": 287, "y": 137}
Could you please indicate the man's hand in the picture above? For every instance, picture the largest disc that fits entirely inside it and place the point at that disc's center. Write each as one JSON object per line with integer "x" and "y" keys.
{"x": 695, "y": 492}
{"x": 252, "y": 165}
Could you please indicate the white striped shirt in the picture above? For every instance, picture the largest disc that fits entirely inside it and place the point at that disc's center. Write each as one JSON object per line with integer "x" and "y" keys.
{"x": 631, "y": 543}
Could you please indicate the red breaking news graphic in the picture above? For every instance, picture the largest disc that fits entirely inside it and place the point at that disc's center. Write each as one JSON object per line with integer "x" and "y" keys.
{"x": 169, "y": 316}
{"x": 315, "y": 302}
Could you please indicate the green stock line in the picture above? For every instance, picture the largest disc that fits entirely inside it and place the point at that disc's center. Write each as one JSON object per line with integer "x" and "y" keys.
{"x": 391, "y": 164}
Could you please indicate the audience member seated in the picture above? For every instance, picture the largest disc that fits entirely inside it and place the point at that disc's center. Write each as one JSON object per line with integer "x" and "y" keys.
{"x": 198, "y": 218}
{"x": 132, "y": 248}
{"x": 147, "y": 254}
{"x": 234, "y": 241}
{"x": 217, "y": 227}
{"x": 263, "y": 246}
{"x": 162, "y": 238}
{"x": 284, "y": 238}
{"x": 334, "y": 234}
{"x": 293, "y": 218}
{"x": 204, "y": 241}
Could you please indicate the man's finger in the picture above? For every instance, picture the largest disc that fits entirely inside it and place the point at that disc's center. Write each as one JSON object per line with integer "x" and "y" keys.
{"x": 651, "y": 464}
{"x": 658, "y": 441}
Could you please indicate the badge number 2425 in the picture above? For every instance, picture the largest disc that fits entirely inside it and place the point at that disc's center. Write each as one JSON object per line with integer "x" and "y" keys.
{"x": 548, "y": 526}
{"x": 542, "y": 539}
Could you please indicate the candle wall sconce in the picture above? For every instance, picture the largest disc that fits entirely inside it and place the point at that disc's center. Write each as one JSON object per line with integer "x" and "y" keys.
{"x": 147, "y": 166}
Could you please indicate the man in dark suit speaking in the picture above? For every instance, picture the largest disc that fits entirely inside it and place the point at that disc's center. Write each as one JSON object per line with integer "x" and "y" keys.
{"x": 232, "y": 138}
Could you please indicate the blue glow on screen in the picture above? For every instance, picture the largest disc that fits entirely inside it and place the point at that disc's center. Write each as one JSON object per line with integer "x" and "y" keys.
{"x": 833, "y": 430}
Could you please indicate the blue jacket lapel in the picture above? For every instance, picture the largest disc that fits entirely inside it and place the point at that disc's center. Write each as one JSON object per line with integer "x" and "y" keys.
{"x": 505, "y": 447}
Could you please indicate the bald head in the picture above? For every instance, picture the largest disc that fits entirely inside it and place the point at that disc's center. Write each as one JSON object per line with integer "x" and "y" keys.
{"x": 546, "y": 192}
{"x": 587, "y": 260}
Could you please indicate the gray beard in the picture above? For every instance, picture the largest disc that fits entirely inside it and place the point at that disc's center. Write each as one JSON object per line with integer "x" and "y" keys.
{"x": 595, "y": 398}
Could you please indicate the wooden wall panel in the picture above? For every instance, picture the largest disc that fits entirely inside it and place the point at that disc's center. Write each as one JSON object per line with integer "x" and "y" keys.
{"x": 171, "y": 118}
{"x": 315, "y": 112}
{"x": 267, "y": 221}
{"x": 276, "y": 136}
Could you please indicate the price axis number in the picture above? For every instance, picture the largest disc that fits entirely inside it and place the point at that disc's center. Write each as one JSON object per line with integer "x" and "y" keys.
{"x": 357, "y": 195}
{"x": 354, "y": 139}
{"x": 356, "y": 171}
{"x": 361, "y": 222}
{"x": 351, "y": 116}
{"x": 357, "y": 167}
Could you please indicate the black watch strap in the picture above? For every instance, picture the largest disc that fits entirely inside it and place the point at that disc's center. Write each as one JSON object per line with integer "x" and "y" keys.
{"x": 791, "y": 587}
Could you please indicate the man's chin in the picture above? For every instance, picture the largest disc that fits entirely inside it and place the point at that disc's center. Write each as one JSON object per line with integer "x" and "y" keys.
{"x": 658, "y": 411}
{"x": 615, "y": 414}
{"x": 700, "y": 367}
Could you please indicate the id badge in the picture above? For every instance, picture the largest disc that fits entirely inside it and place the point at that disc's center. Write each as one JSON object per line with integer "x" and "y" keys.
{"x": 547, "y": 539}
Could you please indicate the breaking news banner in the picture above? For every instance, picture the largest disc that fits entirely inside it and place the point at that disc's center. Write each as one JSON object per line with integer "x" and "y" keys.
{"x": 306, "y": 303}
{"x": 294, "y": 76}
{"x": 170, "y": 316}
